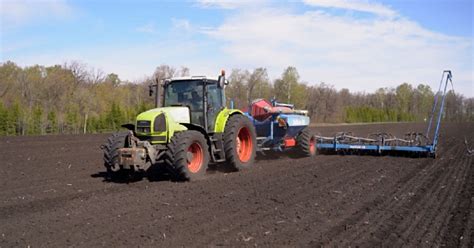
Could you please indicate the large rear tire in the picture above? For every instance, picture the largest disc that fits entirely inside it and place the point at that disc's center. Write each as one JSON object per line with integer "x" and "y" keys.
{"x": 306, "y": 143}
{"x": 240, "y": 142}
{"x": 188, "y": 155}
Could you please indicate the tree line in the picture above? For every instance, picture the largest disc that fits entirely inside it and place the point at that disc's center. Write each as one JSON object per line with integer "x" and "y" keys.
{"x": 75, "y": 98}
{"x": 325, "y": 104}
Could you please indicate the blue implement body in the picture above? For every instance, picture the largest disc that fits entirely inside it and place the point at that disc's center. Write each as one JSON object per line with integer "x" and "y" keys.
{"x": 336, "y": 147}
{"x": 278, "y": 124}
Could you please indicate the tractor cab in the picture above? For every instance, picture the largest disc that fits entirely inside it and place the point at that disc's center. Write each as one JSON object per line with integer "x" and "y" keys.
{"x": 202, "y": 95}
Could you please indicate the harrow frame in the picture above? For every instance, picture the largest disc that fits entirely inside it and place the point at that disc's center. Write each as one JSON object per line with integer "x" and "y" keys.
{"x": 417, "y": 144}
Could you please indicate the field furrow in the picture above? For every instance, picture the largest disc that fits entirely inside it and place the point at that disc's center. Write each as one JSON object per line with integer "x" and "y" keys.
{"x": 53, "y": 194}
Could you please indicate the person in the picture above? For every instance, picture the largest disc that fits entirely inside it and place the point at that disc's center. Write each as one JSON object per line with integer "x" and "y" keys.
{"x": 196, "y": 101}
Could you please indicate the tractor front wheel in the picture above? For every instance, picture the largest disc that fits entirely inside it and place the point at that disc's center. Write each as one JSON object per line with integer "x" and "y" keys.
{"x": 239, "y": 142}
{"x": 111, "y": 152}
{"x": 188, "y": 155}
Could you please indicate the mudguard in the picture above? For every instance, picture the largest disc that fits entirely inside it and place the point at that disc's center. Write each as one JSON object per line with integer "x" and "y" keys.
{"x": 222, "y": 118}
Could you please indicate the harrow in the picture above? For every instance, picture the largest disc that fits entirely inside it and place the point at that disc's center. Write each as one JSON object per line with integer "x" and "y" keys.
{"x": 414, "y": 143}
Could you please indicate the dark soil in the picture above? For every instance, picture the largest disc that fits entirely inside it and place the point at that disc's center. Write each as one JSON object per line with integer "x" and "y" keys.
{"x": 53, "y": 194}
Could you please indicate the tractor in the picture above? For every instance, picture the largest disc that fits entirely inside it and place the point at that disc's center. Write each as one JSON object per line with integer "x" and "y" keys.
{"x": 194, "y": 128}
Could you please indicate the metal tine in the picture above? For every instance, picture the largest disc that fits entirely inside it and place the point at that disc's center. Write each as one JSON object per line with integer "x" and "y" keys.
{"x": 413, "y": 143}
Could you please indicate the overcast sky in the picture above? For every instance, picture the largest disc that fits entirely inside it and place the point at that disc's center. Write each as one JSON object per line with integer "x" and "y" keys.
{"x": 360, "y": 45}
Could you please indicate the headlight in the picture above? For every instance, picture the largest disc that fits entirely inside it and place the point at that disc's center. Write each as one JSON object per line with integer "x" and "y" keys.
{"x": 143, "y": 126}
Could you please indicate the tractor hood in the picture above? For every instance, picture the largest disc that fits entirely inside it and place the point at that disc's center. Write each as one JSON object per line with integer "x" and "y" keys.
{"x": 178, "y": 114}
{"x": 158, "y": 125}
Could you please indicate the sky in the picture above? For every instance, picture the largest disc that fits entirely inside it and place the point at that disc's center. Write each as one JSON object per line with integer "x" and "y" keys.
{"x": 360, "y": 45}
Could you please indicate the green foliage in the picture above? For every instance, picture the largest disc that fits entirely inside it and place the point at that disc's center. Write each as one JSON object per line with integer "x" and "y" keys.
{"x": 97, "y": 124}
{"x": 52, "y": 122}
{"x": 13, "y": 125}
{"x": 115, "y": 116}
{"x": 113, "y": 79}
{"x": 371, "y": 114}
{"x": 404, "y": 94}
{"x": 236, "y": 90}
{"x": 3, "y": 120}
{"x": 286, "y": 88}
{"x": 73, "y": 98}
{"x": 36, "y": 121}
{"x": 258, "y": 85}
{"x": 72, "y": 120}
{"x": 143, "y": 106}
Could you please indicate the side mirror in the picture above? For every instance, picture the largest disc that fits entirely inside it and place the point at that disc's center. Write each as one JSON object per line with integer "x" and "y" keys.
{"x": 150, "y": 90}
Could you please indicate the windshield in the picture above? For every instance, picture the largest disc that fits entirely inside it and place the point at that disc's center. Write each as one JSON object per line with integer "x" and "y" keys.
{"x": 185, "y": 93}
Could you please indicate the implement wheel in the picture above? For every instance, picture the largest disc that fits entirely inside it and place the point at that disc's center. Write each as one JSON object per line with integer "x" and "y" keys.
{"x": 306, "y": 143}
{"x": 240, "y": 142}
{"x": 188, "y": 155}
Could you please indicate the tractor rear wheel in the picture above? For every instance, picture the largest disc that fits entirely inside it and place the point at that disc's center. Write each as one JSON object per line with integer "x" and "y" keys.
{"x": 111, "y": 151}
{"x": 188, "y": 155}
{"x": 306, "y": 143}
{"x": 240, "y": 143}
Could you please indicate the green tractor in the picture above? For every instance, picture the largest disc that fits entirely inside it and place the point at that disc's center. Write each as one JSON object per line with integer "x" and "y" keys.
{"x": 192, "y": 129}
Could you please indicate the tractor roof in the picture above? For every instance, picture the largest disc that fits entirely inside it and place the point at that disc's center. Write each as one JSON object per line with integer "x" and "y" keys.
{"x": 191, "y": 78}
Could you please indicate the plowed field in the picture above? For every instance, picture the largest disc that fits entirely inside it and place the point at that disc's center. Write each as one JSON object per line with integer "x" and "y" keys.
{"x": 53, "y": 194}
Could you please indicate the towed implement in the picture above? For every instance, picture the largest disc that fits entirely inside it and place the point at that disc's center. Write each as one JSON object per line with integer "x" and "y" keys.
{"x": 281, "y": 127}
{"x": 414, "y": 143}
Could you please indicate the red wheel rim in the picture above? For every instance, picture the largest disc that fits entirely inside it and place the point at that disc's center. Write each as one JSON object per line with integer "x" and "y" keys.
{"x": 244, "y": 144}
{"x": 312, "y": 145}
{"x": 195, "y": 162}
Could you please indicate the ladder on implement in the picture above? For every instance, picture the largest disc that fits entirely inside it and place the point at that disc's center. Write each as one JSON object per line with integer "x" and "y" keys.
{"x": 415, "y": 144}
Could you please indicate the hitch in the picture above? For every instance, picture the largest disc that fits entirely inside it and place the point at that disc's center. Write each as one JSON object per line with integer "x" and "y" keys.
{"x": 133, "y": 158}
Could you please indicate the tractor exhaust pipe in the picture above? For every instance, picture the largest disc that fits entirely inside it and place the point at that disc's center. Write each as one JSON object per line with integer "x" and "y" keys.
{"x": 157, "y": 96}
{"x": 155, "y": 89}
